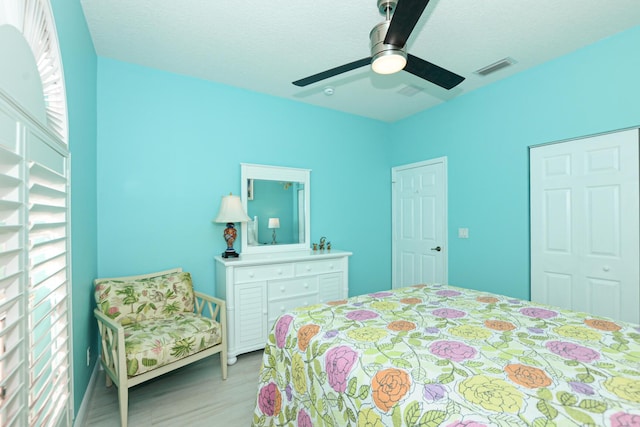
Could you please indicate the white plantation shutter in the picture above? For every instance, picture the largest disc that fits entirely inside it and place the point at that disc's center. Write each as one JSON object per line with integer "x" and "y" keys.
{"x": 13, "y": 326}
{"x": 49, "y": 376}
{"x": 35, "y": 330}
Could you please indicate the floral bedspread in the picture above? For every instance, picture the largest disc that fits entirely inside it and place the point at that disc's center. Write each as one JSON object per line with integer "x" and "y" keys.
{"x": 437, "y": 355}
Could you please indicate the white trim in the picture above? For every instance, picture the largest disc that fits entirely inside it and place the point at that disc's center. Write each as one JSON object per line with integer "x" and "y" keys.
{"x": 590, "y": 135}
{"x": 82, "y": 416}
{"x": 25, "y": 116}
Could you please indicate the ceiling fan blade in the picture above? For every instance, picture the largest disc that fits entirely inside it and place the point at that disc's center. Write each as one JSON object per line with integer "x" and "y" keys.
{"x": 431, "y": 72}
{"x": 333, "y": 72}
{"x": 403, "y": 21}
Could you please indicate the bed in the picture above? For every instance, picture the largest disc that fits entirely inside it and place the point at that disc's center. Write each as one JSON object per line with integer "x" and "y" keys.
{"x": 438, "y": 355}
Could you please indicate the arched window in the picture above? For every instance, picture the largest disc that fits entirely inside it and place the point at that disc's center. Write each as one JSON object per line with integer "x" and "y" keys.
{"x": 33, "y": 18}
{"x": 35, "y": 250}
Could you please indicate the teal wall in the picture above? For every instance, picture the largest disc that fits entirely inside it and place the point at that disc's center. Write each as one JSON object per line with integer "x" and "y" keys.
{"x": 486, "y": 134}
{"x": 170, "y": 146}
{"x": 80, "y": 73}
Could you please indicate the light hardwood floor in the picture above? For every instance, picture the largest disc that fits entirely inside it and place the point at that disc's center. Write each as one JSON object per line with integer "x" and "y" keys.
{"x": 194, "y": 395}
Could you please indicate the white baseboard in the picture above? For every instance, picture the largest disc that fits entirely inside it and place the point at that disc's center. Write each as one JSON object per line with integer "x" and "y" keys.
{"x": 83, "y": 412}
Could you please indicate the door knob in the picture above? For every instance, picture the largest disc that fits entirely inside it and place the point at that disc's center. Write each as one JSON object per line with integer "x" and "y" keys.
{"x": 437, "y": 248}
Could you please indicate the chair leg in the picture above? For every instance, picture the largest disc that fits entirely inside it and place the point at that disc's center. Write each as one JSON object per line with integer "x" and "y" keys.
{"x": 123, "y": 399}
{"x": 108, "y": 380}
{"x": 223, "y": 363}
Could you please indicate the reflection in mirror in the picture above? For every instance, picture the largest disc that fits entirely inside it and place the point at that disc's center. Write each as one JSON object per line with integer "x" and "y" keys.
{"x": 277, "y": 201}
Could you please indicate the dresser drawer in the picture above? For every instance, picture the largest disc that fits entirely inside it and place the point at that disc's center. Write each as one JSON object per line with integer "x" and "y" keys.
{"x": 263, "y": 272}
{"x": 277, "y": 308}
{"x": 279, "y": 289}
{"x": 317, "y": 267}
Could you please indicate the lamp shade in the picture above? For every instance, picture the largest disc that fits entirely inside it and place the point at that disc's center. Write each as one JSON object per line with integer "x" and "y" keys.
{"x": 274, "y": 223}
{"x": 231, "y": 210}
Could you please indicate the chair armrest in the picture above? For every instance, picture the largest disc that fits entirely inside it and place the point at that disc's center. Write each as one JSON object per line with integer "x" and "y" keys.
{"x": 108, "y": 322}
{"x": 112, "y": 356}
{"x": 217, "y": 311}
{"x": 216, "y": 307}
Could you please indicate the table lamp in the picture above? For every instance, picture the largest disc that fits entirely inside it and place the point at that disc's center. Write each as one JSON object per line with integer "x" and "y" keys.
{"x": 274, "y": 223}
{"x": 231, "y": 211}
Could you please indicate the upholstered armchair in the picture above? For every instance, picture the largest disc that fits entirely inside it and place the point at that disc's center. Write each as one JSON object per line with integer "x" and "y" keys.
{"x": 152, "y": 324}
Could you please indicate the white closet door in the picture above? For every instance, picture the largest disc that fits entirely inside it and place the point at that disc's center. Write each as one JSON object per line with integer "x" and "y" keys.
{"x": 585, "y": 225}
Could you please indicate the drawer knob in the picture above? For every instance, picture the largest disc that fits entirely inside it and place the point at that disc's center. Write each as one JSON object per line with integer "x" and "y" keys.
{"x": 330, "y": 266}
{"x": 281, "y": 309}
{"x": 251, "y": 274}
{"x": 280, "y": 271}
{"x": 308, "y": 268}
{"x": 306, "y": 285}
{"x": 281, "y": 288}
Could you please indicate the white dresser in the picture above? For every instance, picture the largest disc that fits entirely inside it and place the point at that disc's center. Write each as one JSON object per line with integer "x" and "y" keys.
{"x": 259, "y": 288}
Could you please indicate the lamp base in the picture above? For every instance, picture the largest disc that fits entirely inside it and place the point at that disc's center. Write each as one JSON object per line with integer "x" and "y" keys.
{"x": 230, "y": 235}
{"x": 230, "y": 254}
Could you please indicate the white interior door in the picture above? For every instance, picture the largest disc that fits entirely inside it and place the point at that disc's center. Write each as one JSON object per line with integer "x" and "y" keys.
{"x": 584, "y": 225}
{"x": 419, "y": 218}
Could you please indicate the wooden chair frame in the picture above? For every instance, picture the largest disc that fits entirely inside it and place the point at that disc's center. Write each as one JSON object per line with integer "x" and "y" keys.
{"x": 113, "y": 357}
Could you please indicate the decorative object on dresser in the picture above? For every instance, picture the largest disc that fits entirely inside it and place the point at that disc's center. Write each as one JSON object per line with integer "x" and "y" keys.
{"x": 322, "y": 245}
{"x": 231, "y": 211}
{"x": 259, "y": 288}
{"x": 155, "y": 323}
{"x": 323, "y": 241}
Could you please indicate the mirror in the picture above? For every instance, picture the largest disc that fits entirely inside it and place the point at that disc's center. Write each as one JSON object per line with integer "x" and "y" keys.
{"x": 277, "y": 199}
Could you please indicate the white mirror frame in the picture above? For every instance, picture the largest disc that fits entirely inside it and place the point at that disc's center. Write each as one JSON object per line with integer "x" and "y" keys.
{"x": 276, "y": 173}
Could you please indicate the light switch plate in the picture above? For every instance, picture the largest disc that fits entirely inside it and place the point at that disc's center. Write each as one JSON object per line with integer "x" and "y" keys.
{"x": 463, "y": 233}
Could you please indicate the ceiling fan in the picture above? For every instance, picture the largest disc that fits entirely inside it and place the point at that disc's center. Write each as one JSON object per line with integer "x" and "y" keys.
{"x": 388, "y": 48}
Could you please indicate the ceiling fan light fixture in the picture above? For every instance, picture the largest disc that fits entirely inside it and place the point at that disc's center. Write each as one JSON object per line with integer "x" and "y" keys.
{"x": 385, "y": 58}
{"x": 389, "y": 62}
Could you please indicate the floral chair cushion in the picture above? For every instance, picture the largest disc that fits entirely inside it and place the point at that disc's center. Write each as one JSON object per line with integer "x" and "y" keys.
{"x": 157, "y": 342}
{"x": 133, "y": 301}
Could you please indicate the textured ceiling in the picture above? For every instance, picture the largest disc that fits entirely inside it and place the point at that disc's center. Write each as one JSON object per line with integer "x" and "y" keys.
{"x": 264, "y": 46}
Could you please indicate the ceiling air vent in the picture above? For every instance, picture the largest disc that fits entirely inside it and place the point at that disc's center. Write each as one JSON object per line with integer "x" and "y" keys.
{"x": 492, "y": 68}
{"x": 409, "y": 90}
